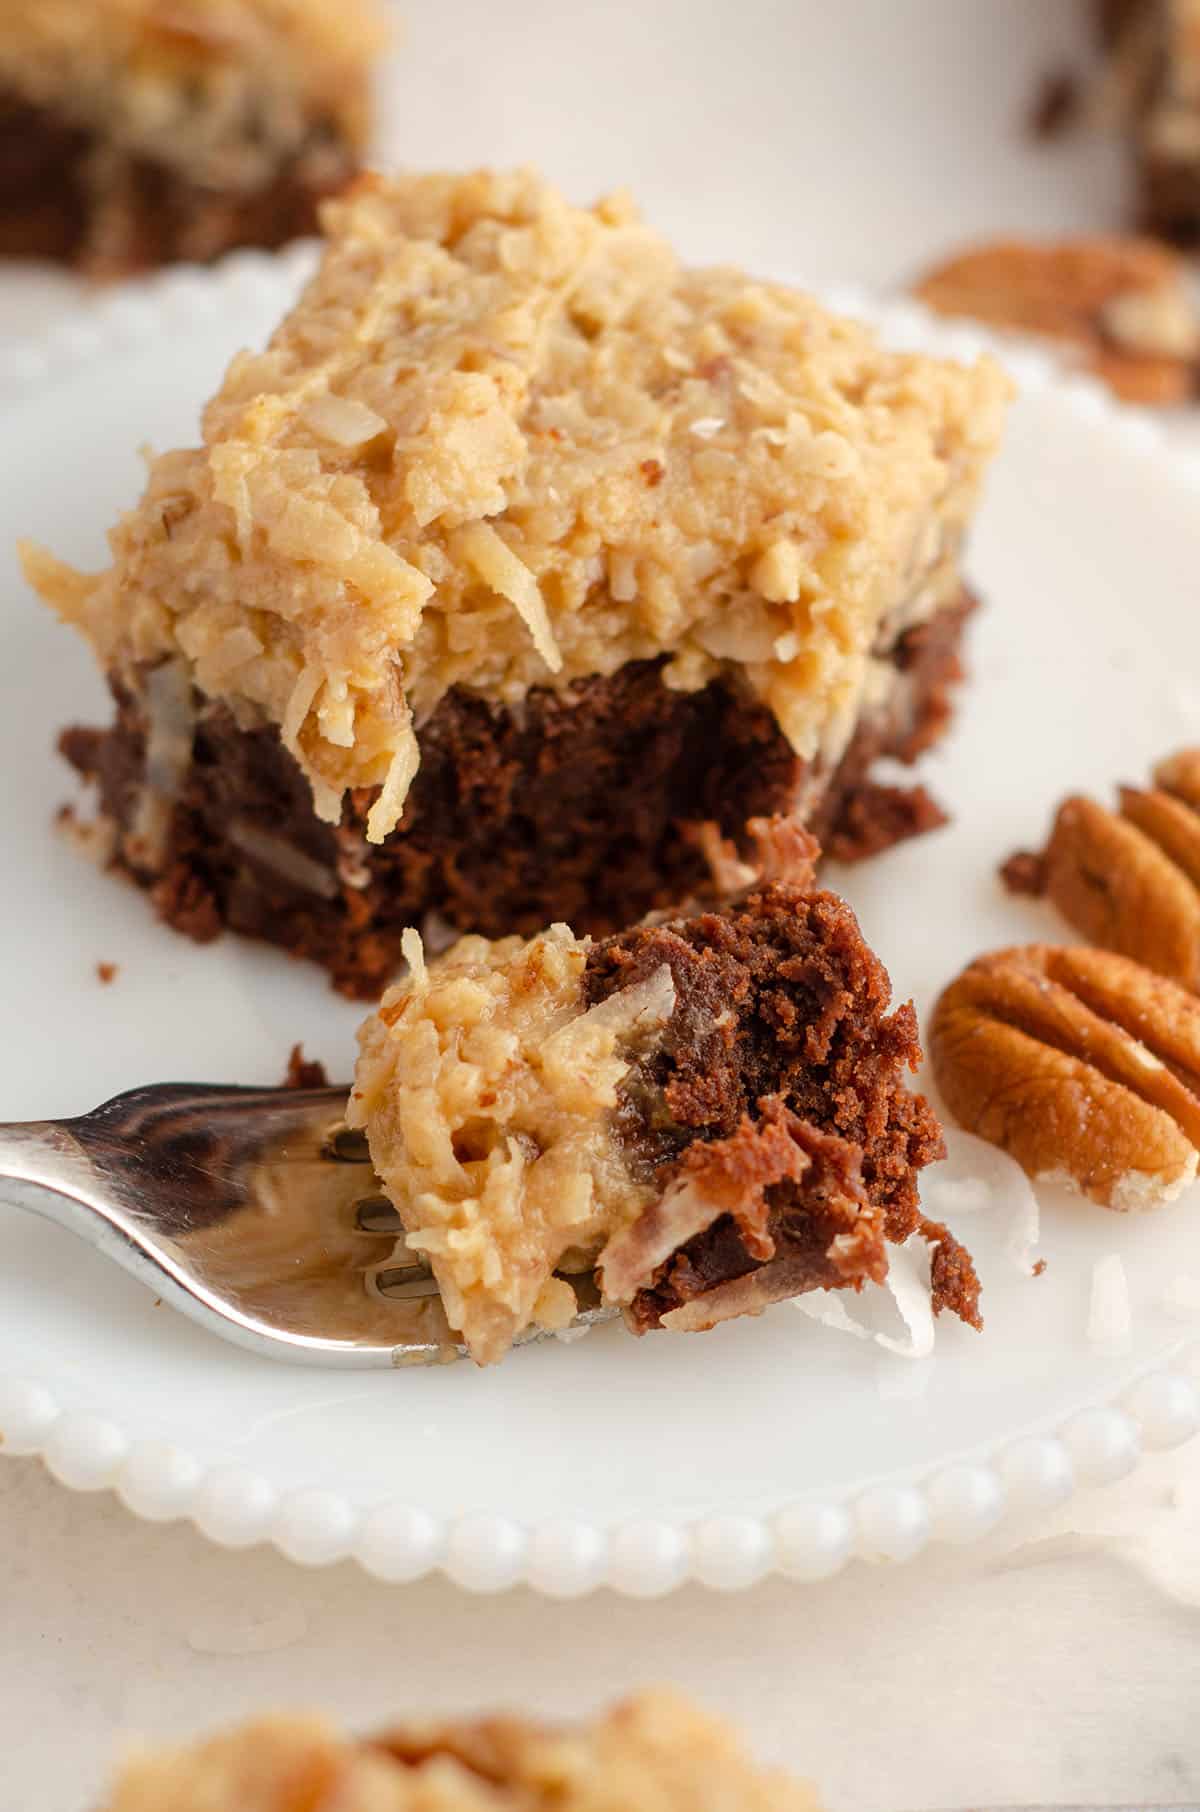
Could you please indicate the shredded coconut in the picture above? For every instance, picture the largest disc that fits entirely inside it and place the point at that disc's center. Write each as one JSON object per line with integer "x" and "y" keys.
{"x": 977, "y": 1177}
{"x": 487, "y": 1091}
{"x": 498, "y": 566}
{"x": 413, "y": 952}
{"x": 1025, "y": 1232}
{"x": 907, "y": 1284}
{"x": 384, "y": 815}
{"x": 827, "y": 1308}
{"x": 1110, "y": 1320}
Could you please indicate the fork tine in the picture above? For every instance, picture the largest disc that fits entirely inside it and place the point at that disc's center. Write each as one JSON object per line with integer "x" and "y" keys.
{"x": 348, "y": 1145}
{"x": 375, "y": 1214}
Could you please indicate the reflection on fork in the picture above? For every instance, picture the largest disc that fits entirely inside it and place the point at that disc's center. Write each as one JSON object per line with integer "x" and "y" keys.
{"x": 255, "y": 1211}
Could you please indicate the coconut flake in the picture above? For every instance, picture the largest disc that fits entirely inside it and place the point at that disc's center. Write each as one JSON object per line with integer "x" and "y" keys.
{"x": 978, "y": 1177}
{"x": 945, "y": 1198}
{"x": 1025, "y": 1231}
{"x": 413, "y": 952}
{"x": 327, "y": 800}
{"x": 300, "y": 700}
{"x": 706, "y": 426}
{"x": 827, "y": 1308}
{"x": 283, "y": 859}
{"x": 1110, "y": 1321}
{"x": 635, "y": 1252}
{"x": 498, "y": 566}
{"x": 385, "y": 814}
{"x": 640, "y": 1007}
{"x": 342, "y": 420}
{"x": 622, "y": 1017}
{"x": 907, "y": 1283}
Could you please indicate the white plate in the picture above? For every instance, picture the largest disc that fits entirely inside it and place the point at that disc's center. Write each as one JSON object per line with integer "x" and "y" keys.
{"x": 767, "y": 1444}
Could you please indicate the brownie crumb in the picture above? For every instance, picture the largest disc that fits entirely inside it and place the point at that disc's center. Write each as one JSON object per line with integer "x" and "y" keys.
{"x": 107, "y": 972}
{"x": 1055, "y": 106}
{"x": 1024, "y": 872}
{"x": 875, "y": 817}
{"x": 953, "y": 1279}
{"x": 183, "y": 898}
{"x": 304, "y": 1072}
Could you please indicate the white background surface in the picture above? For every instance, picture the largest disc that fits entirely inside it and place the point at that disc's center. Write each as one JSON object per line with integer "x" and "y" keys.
{"x": 851, "y": 140}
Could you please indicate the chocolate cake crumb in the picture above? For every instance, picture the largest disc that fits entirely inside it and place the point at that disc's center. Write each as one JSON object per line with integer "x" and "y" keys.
{"x": 304, "y": 1072}
{"x": 953, "y": 1279}
{"x": 812, "y": 1229}
{"x": 1056, "y": 104}
{"x": 183, "y": 900}
{"x": 875, "y": 817}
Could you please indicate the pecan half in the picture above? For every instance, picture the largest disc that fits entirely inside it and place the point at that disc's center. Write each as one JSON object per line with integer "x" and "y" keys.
{"x": 1129, "y": 879}
{"x": 1120, "y": 305}
{"x": 1080, "y": 1064}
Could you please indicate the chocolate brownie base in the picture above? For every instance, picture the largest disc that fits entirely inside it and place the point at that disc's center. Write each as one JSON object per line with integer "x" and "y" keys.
{"x": 577, "y": 809}
{"x": 1168, "y": 188}
{"x": 781, "y": 1015}
{"x": 54, "y": 204}
{"x": 1169, "y": 200}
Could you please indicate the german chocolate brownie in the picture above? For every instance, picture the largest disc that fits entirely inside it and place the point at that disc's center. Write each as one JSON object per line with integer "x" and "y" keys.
{"x": 603, "y": 803}
{"x": 1154, "y": 84}
{"x": 135, "y": 132}
{"x": 711, "y": 1111}
{"x": 520, "y": 573}
{"x": 653, "y": 1753}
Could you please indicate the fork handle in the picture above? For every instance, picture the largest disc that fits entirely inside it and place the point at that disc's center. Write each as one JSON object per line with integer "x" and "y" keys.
{"x": 45, "y": 1171}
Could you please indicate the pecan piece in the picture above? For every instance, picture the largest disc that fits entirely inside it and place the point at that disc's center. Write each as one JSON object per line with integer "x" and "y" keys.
{"x": 1082, "y": 1065}
{"x": 1130, "y": 879}
{"x": 1120, "y": 305}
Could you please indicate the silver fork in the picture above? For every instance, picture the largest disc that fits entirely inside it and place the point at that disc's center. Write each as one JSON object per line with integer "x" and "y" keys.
{"x": 254, "y": 1211}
